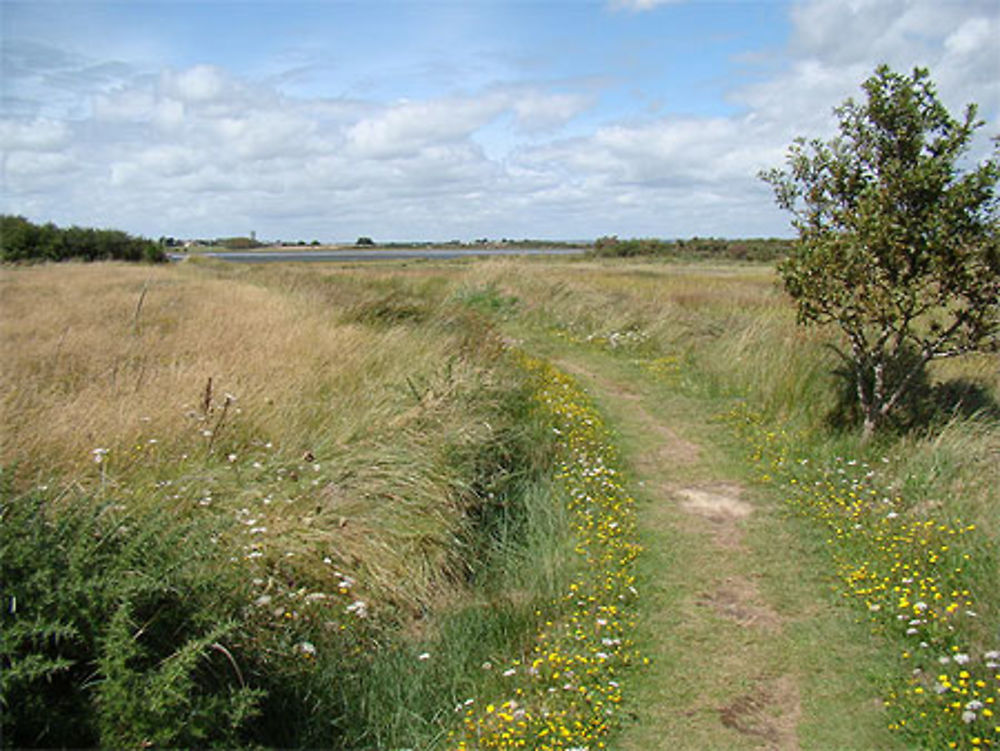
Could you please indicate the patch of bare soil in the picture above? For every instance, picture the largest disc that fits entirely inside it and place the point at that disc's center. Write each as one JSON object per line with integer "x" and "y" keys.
{"x": 737, "y": 599}
{"x": 673, "y": 449}
{"x": 721, "y": 506}
{"x": 770, "y": 712}
{"x": 720, "y": 502}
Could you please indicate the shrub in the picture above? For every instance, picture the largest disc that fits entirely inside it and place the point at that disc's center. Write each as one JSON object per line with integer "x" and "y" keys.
{"x": 117, "y": 630}
{"x": 21, "y": 240}
{"x": 898, "y": 245}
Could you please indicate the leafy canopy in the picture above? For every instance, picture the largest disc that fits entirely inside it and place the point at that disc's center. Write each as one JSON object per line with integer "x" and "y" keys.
{"x": 897, "y": 245}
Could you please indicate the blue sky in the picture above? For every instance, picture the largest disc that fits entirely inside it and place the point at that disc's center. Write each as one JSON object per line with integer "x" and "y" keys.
{"x": 411, "y": 119}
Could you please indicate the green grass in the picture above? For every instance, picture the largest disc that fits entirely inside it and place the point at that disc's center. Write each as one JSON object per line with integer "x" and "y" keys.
{"x": 725, "y": 338}
{"x": 385, "y": 448}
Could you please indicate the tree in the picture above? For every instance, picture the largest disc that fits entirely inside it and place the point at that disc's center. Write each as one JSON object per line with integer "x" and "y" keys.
{"x": 897, "y": 245}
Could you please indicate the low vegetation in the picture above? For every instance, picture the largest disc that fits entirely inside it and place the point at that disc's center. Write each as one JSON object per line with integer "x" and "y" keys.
{"x": 282, "y": 508}
{"x": 718, "y": 249}
{"x": 909, "y": 520}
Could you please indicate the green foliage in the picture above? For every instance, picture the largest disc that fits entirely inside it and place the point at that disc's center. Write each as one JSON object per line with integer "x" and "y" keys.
{"x": 238, "y": 243}
{"x": 897, "y": 246}
{"x": 140, "y": 631}
{"x": 21, "y": 240}
{"x": 488, "y": 299}
{"x": 751, "y": 249}
{"x": 115, "y": 629}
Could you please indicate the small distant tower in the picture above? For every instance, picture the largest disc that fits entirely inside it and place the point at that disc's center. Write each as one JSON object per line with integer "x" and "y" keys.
{"x": 253, "y": 235}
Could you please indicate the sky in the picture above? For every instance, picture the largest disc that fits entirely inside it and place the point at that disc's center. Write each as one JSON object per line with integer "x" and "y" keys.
{"x": 448, "y": 119}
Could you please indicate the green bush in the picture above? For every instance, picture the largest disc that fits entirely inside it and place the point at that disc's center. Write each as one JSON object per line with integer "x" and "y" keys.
{"x": 21, "y": 240}
{"x": 752, "y": 249}
{"x": 118, "y": 631}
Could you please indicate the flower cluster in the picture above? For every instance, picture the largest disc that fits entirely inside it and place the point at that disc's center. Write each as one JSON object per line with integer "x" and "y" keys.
{"x": 910, "y": 573}
{"x": 664, "y": 368}
{"x": 566, "y": 692}
{"x": 629, "y": 338}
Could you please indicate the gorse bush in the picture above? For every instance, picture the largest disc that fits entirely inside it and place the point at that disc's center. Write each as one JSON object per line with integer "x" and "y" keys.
{"x": 118, "y": 630}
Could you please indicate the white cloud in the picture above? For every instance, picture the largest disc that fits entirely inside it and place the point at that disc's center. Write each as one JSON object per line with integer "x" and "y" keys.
{"x": 41, "y": 134}
{"x": 124, "y": 104}
{"x": 407, "y": 127}
{"x": 204, "y": 150}
{"x": 540, "y": 111}
{"x": 641, "y": 5}
{"x": 202, "y": 83}
{"x": 971, "y": 36}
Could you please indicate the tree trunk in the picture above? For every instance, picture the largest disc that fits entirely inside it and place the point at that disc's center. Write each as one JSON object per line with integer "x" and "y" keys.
{"x": 868, "y": 430}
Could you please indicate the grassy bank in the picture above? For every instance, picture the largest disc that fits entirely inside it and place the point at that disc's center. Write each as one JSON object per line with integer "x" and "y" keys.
{"x": 284, "y": 509}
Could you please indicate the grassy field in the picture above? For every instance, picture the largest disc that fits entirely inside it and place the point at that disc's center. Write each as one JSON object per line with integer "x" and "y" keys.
{"x": 909, "y": 525}
{"x": 339, "y": 506}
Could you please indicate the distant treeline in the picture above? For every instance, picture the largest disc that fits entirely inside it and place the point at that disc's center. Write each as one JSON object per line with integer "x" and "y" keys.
{"x": 753, "y": 249}
{"x": 21, "y": 240}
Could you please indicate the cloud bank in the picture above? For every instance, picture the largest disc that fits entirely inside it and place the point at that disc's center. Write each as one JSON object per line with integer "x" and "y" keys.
{"x": 209, "y": 150}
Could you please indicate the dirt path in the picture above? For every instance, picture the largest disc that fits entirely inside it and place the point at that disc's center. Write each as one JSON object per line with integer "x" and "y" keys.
{"x": 717, "y": 679}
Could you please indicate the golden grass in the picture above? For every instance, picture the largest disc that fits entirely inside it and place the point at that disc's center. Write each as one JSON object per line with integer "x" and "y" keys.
{"x": 85, "y": 367}
{"x": 355, "y": 416}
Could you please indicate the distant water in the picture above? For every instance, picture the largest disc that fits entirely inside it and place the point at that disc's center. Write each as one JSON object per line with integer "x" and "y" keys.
{"x": 400, "y": 254}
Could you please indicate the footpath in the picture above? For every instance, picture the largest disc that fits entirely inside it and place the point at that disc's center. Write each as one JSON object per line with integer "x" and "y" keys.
{"x": 747, "y": 646}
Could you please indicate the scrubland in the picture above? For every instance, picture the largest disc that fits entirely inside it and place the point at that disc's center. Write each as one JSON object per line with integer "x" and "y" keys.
{"x": 339, "y": 507}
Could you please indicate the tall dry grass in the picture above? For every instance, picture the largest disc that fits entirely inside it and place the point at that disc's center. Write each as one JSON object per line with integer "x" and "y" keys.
{"x": 358, "y": 457}
{"x": 357, "y": 416}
